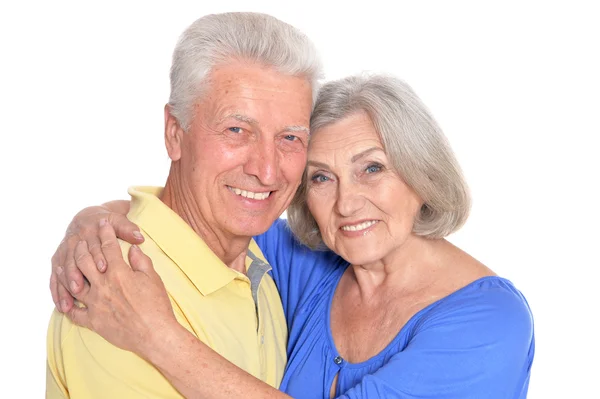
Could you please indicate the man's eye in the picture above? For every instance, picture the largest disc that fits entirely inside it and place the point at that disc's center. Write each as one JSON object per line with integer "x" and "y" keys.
{"x": 235, "y": 129}
{"x": 290, "y": 137}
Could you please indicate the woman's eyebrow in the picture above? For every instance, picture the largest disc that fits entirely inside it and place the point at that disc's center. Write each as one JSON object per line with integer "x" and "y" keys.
{"x": 365, "y": 153}
{"x": 317, "y": 164}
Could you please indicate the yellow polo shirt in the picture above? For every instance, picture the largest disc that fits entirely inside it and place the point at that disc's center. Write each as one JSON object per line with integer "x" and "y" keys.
{"x": 239, "y": 316}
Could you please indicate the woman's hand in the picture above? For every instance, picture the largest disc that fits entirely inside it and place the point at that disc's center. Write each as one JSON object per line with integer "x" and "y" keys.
{"x": 128, "y": 306}
{"x": 66, "y": 279}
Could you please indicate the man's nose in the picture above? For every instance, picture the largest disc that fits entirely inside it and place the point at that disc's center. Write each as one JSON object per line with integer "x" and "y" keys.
{"x": 263, "y": 162}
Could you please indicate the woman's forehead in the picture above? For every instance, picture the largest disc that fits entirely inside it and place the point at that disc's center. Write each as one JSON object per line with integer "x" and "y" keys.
{"x": 353, "y": 133}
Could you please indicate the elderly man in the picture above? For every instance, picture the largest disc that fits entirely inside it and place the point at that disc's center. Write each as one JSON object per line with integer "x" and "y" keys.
{"x": 236, "y": 130}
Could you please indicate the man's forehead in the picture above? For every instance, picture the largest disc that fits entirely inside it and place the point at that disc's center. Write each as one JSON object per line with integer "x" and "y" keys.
{"x": 251, "y": 82}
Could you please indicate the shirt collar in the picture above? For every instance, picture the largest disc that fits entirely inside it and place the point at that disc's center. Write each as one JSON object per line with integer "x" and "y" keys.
{"x": 180, "y": 242}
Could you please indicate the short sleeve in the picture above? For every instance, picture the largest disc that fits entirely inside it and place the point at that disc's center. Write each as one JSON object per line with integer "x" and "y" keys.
{"x": 470, "y": 347}
{"x": 56, "y": 386}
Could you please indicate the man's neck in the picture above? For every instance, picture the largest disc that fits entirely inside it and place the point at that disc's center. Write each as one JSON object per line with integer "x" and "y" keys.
{"x": 229, "y": 248}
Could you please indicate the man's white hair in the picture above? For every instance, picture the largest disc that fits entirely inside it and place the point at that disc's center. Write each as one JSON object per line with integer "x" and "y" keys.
{"x": 219, "y": 38}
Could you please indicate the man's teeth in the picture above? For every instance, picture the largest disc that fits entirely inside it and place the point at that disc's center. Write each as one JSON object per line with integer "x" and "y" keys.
{"x": 359, "y": 227}
{"x": 250, "y": 194}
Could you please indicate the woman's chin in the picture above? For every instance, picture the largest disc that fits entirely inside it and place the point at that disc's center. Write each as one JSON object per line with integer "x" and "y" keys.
{"x": 357, "y": 257}
{"x": 369, "y": 250}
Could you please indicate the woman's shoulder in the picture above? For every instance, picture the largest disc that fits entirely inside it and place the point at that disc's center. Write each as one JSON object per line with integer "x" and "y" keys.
{"x": 490, "y": 303}
{"x": 490, "y": 289}
{"x": 479, "y": 285}
{"x": 460, "y": 277}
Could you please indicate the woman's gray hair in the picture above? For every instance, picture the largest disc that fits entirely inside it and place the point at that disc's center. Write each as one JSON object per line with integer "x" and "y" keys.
{"x": 414, "y": 144}
{"x": 218, "y": 38}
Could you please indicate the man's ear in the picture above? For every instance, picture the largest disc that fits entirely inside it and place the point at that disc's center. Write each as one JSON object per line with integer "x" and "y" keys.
{"x": 173, "y": 135}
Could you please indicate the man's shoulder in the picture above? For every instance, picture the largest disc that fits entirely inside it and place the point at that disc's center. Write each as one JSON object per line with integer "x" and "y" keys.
{"x": 87, "y": 364}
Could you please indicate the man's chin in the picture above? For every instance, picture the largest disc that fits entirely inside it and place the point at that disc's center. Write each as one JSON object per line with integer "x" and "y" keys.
{"x": 251, "y": 228}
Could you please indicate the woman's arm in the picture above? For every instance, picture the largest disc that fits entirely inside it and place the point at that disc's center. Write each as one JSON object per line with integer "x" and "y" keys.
{"x": 197, "y": 371}
{"x": 65, "y": 278}
{"x": 129, "y": 307}
{"x": 473, "y": 346}
{"x": 478, "y": 345}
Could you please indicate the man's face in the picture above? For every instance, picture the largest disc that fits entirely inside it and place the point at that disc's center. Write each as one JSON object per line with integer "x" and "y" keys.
{"x": 243, "y": 156}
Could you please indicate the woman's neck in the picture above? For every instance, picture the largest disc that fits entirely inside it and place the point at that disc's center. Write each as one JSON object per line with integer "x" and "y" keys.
{"x": 408, "y": 268}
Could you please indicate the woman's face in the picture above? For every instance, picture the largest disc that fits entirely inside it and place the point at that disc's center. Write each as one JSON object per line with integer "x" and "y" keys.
{"x": 364, "y": 210}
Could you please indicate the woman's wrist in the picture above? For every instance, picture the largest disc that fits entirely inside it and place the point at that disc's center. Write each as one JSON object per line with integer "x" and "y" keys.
{"x": 163, "y": 343}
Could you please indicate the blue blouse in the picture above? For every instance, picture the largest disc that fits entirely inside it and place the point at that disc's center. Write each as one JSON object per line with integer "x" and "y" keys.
{"x": 475, "y": 343}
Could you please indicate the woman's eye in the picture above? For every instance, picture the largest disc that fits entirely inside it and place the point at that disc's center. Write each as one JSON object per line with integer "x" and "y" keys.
{"x": 319, "y": 178}
{"x": 373, "y": 168}
{"x": 235, "y": 129}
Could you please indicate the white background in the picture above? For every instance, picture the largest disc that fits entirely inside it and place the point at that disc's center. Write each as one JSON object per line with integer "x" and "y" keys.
{"x": 515, "y": 86}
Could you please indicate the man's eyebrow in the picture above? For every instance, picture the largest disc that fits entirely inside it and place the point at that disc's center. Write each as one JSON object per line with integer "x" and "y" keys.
{"x": 297, "y": 128}
{"x": 252, "y": 121}
{"x": 241, "y": 118}
{"x": 365, "y": 153}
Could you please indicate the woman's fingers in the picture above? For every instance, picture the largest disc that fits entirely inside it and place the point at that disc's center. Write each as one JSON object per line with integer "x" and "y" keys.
{"x": 65, "y": 276}
{"x": 140, "y": 262}
{"x": 85, "y": 264}
{"x": 86, "y": 228}
{"x": 67, "y": 280}
{"x": 111, "y": 248}
{"x": 125, "y": 229}
{"x": 54, "y": 291}
{"x": 65, "y": 299}
{"x": 80, "y": 316}
{"x": 125, "y": 304}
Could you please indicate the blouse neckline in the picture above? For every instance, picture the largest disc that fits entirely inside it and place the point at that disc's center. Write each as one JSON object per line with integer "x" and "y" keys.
{"x": 393, "y": 343}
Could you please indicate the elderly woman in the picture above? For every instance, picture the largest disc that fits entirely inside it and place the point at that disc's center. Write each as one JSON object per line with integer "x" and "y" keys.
{"x": 378, "y": 303}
